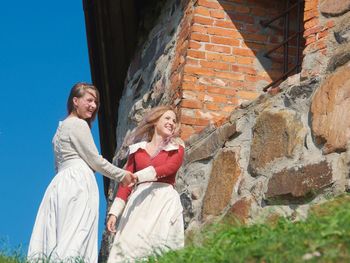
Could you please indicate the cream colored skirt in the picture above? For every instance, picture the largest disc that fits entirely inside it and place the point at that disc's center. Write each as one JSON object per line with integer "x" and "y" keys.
{"x": 67, "y": 221}
{"x": 151, "y": 223}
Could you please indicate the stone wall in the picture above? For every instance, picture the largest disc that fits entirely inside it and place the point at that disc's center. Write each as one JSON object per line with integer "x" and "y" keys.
{"x": 285, "y": 150}
{"x": 272, "y": 156}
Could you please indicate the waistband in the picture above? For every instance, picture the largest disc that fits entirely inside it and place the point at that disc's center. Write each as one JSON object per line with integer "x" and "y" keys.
{"x": 68, "y": 163}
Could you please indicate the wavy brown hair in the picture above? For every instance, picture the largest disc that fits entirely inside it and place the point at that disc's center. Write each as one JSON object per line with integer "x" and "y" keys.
{"x": 78, "y": 91}
{"x": 145, "y": 129}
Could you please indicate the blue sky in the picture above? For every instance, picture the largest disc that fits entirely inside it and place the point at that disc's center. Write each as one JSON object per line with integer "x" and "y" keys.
{"x": 43, "y": 52}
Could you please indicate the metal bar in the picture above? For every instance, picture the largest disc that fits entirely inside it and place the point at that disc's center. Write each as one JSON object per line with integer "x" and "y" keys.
{"x": 280, "y": 78}
{"x": 265, "y": 24}
{"x": 299, "y": 33}
{"x": 281, "y": 44}
{"x": 285, "y": 37}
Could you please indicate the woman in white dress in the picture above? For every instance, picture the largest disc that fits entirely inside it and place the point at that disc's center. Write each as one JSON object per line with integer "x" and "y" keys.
{"x": 152, "y": 220}
{"x": 67, "y": 221}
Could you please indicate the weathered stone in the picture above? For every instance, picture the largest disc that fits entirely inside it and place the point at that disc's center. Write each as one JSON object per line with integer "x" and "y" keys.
{"x": 334, "y": 7}
{"x": 240, "y": 210}
{"x": 340, "y": 57}
{"x": 331, "y": 112}
{"x": 276, "y": 134}
{"x": 187, "y": 206}
{"x": 297, "y": 183}
{"x": 224, "y": 175}
{"x": 208, "y": 144}
{"x": 342, "y": 29}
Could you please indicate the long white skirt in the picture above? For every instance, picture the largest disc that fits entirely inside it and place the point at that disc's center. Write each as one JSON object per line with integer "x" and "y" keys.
{"x": 151, "y": 223}
{"x": 67, "y": 221}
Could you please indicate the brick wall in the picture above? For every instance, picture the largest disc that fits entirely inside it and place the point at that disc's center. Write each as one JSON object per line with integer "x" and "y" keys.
{"x": 223, "y": 64}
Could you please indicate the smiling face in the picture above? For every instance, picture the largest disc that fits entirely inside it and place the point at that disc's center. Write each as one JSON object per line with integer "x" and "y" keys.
{"x": 166, "y": 124}
{"x": 86, "y": 105}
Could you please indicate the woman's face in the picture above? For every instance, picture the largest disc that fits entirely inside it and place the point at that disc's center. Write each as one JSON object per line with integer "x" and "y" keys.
{"x": 86, "y": 105}
{"x": 166, "y": 124}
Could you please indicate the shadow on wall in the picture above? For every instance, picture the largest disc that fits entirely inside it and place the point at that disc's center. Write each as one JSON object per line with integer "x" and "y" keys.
{"x": 238, "y": 33}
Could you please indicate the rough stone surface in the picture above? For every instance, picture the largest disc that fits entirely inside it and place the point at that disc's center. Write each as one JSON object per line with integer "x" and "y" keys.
{"x": 331, "y": 112}
{"x": 296, "y": 183}
{"x": 339, "y": 58}
{"x": 276, "y": 134}
{"x": 342, "y": 29}
{"x": 334, "y": 7}
{"x": 207, "y": 146}
{"x": 240, "y": 210}
{"x": 224, "y": 175}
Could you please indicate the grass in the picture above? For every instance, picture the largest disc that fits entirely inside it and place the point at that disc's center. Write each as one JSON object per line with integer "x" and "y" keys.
{"x": 323, "y": 237}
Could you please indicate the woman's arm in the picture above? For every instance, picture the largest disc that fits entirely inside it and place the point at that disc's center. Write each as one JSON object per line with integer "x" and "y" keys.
{"x": 170, "y": 167}
{"x": 84, "y": 144}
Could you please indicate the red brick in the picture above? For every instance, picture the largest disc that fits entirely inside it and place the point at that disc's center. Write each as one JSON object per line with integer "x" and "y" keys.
{"x": 193, "y": 87}
{"x": 330, "y": 24}
{"x": 229, "y": 108}
{"x": 187, "y": 129}
{"x": 310, "y": 14}
{"x": 196, "y": 54}
{"x": 217, "y": 48}
{"x": 311, "y": 23}
{"x": 206, "y": 3}
{"x": 194, "y": 45}
{"x": 245, "y": 60}
{"x": 199, "y": 37}
{"x": 189, "y": 78}
{"x": 220, "y": 57}
{"x": 199, "y": 29}
{"x": 225, "y": 41}
{"x": 243, "y": 69}
{"x": 247, "y": 95}
{"x": 255, "y": 37}
{"x": 223, "y": 32}
{"x": 228, "y": 24}
{"x": 199, "y": 10}
{"x": 229, "y": 75}
{"x": 322, "y": 34}
{"x": 243, "y": 52}
{"x": 223, "y": 91}
{"x": 312, "y": 30}
{"x": 217, "y": 14}
{"x": 203, "y": 20}
{"x": 193, "y": 121}
{"x": 310, "y": 5}
{"x": 191, "y": 104}
{"x": 198, "y": 71}
{"x": 193, "y": 62}
{"x": 215, "y": 65}
{"x": 212, "y": 106}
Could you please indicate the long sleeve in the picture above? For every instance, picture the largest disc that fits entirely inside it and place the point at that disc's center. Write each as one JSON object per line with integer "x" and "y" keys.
{"x": 82, "y": 140}
{"x": 124, "y": 191}
{"x": 168, "y": 168}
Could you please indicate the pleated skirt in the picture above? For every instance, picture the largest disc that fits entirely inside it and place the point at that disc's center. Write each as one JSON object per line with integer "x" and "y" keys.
{"x": 152, "y": 223}
{"x": 66, "y": 225}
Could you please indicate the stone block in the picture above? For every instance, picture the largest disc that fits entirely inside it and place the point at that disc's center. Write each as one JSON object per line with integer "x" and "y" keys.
{"x": 223, "y": 178}
{"x": 298, "y": 184}
{"x": 334, "y": 7}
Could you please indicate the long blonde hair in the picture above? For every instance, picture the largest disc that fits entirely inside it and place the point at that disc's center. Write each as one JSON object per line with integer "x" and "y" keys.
{"x": 145, "y": 129}
{"x": 78, "y": 91}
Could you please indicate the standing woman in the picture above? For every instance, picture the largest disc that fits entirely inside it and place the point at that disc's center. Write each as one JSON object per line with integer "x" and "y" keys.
{"x": 152, "y": 220}
{"x": 67, "y": 221}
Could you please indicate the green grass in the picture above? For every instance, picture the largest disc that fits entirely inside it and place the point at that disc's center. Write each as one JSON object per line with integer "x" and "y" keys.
{"x": 325, "y": 236}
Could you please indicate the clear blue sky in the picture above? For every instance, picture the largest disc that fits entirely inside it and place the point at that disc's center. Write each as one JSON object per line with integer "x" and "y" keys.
{"x": 43, "y": 52}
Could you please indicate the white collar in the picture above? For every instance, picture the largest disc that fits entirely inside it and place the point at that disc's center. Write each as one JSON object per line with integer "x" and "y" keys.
{"x": 134, "y": 147}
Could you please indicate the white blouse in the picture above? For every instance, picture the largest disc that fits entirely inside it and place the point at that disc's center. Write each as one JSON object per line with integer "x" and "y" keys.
{"x": 73, "y": 140}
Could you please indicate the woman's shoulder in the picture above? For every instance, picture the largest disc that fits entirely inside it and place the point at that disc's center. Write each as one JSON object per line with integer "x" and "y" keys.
{"x": 75, "y": 122}
{"x": 134, "y": 147}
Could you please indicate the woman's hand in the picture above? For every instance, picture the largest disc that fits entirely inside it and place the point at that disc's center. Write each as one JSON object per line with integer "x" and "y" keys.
{"x": 112, "y": 220}
{"x": 129, "y": 179}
